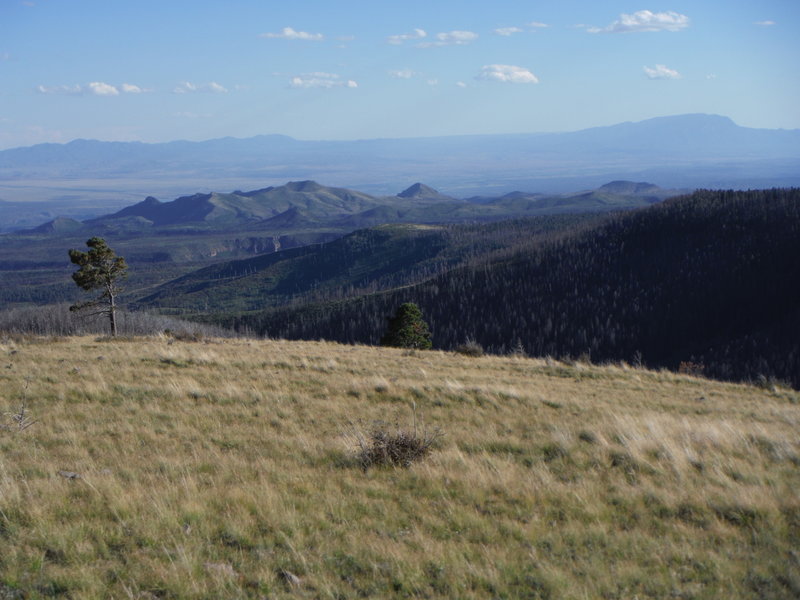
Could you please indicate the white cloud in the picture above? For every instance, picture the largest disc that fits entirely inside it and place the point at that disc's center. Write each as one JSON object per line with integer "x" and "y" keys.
{"x": 433, "y": 82}
{"x": 645, "y": 20}
{"x": 417, "y": 34}
{"x": 214, "y": 88}
{"x": 461, "y": 84}
{"x": 129, "y": 88}
{"x": 451, "y": 38}
{"x": 661, "y": 72}
{"x": 94, "y": 88}
{"x": 537, "y": 25}
{"x": 98, "y": 88}
{"x": 506, "y": 74}
{"x": 402, "y": 73}
{"x": 320, "y": 80}
{"x": 287, "y": 33}
{"x": 5, "y": 56}
{"x": 507, "y": 31}
{"x": 457, "y": 37}
{"x": 187, "y": 87}
{"x": 66, "y": 90}
{"x": 765, "y": 23}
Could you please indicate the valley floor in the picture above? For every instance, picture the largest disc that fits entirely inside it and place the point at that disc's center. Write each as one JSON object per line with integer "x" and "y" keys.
{"x": 157, "y": 468}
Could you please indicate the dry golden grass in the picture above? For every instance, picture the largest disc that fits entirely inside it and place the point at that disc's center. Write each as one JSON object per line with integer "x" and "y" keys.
{"x": 221, "y": 469}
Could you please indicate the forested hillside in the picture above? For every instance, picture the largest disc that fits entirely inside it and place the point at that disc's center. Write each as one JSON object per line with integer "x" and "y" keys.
{"x": 365, "y": 261}
{"x": 711, "y": 278}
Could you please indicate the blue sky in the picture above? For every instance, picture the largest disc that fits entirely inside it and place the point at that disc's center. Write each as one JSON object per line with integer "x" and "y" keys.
{"x": 175, "y": 69}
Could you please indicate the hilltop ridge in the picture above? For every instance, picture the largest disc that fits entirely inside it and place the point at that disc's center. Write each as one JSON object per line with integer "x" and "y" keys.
{"x": 310, "y": 204}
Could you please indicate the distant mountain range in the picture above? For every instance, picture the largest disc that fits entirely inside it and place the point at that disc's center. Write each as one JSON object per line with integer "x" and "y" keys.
{"x": 687, "y": 151}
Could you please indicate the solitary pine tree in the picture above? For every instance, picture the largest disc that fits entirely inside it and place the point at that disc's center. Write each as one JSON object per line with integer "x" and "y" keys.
{"x": 100, "y": 268}
{"x": 407, "y": 329}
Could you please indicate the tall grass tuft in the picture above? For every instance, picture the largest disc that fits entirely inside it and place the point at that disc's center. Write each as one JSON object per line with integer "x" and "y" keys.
{"x": 395, "y": 446}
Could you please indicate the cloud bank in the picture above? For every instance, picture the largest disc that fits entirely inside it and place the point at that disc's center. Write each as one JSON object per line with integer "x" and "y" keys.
{"x": 643, "y": 21}
{"x": 187, "y": 87}
{"x": 93, "y": 88}
{"x": 451, "y": 38}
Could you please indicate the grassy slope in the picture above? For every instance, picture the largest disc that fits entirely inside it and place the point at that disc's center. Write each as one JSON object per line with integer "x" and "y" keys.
{"x": 209, "y": 467}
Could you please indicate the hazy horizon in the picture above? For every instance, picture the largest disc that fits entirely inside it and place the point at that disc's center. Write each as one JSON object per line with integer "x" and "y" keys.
{"x": 409, "y": 137}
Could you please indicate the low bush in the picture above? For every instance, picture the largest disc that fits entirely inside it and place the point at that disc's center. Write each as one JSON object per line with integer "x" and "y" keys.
{"x": 470, "y": 348}
{"x": 688, "y": 367}
{"x": 395, "y": 446}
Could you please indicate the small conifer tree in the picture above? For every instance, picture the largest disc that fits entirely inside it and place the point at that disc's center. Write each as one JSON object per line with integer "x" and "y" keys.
{"x": 100, "y": 268}
{"x": 407, "y": 329}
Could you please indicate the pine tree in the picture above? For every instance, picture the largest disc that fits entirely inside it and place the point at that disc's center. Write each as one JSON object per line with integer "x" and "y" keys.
{"x": 100, "y": 268}
{"x": 407, "y": 329}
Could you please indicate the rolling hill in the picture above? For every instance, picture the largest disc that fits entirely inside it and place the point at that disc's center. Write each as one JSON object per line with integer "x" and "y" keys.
{"x": 238, "y": 209}
{"x": 307, "y": 205}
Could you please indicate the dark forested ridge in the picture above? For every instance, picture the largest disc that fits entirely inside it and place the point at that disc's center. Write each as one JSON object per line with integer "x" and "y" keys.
{"x": 365, "y": 261}
{"x": 712, "y": 278}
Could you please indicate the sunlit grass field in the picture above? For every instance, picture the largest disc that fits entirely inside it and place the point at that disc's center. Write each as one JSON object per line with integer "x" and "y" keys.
{"x": 155, "y": 468}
